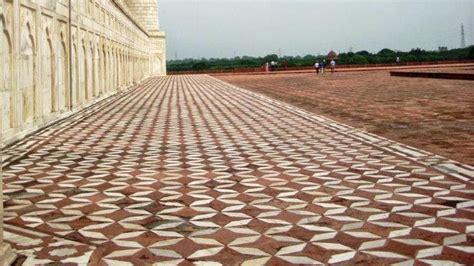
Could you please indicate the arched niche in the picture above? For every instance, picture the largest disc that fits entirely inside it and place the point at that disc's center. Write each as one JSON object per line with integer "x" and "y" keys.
{"x": 28, "y": 68}
{"x": 6, "y": 93}
{"x": 62, "y": 71}
{"x": 48, "y": 93}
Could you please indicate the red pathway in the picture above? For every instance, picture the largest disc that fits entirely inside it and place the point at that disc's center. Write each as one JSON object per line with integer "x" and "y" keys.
{"x": 193, "y": 170}
{"x": 352, "y": 69}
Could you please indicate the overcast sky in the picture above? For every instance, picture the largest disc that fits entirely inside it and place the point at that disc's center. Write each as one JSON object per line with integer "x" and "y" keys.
{"x": 224, "y": 28}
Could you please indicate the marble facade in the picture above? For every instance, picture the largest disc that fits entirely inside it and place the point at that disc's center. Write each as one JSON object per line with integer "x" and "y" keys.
{"x": 59, "y": 56}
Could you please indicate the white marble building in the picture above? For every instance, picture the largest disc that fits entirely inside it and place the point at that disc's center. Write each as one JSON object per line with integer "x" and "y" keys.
{"x": 60, "y": 56}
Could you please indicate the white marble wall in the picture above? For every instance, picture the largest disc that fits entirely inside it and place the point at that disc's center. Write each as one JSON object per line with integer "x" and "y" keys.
{"x": 51, "y": 67}
{"x": 54, "y": 64}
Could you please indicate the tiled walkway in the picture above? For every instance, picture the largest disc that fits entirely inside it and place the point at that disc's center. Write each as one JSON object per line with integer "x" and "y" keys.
{"x": 190, "y": 170}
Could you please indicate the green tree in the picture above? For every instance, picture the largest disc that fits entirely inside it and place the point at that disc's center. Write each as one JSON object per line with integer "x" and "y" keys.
{"x": 358, "y": 60}
{"x": 386, "y": 52}
{"x": 363, "y": 53}
{"x": 200, "y": 66}
{"x": 362, "y": 57}
{"x": 471, "y": 53}
{"x": 271, "y": 57}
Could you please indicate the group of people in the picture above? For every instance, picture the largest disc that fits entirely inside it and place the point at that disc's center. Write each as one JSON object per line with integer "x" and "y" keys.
{"x": 321, "y": 66}
{"x": 272, "y": 66}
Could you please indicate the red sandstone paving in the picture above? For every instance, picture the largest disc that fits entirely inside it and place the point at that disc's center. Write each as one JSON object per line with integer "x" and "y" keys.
{"x": 431, "y": 114}
{"x": 468, "y": 70}
{"x": 426, "y": 68}
{"x": 190, "y": 170}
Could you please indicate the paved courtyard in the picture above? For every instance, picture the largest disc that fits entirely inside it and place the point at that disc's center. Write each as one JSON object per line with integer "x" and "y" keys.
{"x": 431, "y": 114}
{"x": 190, "y": 169}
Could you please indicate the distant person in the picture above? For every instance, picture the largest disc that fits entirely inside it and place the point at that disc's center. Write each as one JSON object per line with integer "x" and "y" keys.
{"x": 322, "y": 65}
{"x": 316, "y": 66}
{"x": 398, "y": 60}
{"x": 267, "y": 67}
{"x": 333, "y": 66}
{"x": 272, "y": 66}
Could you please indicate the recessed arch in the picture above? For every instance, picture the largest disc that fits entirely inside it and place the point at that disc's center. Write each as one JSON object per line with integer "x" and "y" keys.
{"x": 84, "y": 72}
{"x": 48, "y": 92}
{"x": 105, "y": 61}
{"x": 6, "y": 93}
{"x": 62, "y": 72}
{"x": 93, "y": 69}
{"x": 74, "y": 76}
{"x": 62, "y": 77}
{"x": 157, "y": 65}
{"x": 108, "y": 69}
{"x": 28, "y": 85}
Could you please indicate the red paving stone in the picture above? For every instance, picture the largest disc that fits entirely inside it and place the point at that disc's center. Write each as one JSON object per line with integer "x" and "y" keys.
{"x": 430, "y": 114}
{"x": 439, "y": 67}
{"x": 469, "y": 70}
{"x": 188, "y": 170}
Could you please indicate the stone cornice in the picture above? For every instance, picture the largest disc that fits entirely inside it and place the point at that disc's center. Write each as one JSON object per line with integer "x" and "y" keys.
{"x": 124, "y": 9}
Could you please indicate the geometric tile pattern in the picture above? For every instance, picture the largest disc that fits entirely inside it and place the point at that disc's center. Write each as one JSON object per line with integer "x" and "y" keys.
{"x": 192, "y": 170}
{"x": 428, "y": 114}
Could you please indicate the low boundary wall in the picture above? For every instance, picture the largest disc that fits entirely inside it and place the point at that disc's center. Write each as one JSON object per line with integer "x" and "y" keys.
{"x": 433, "y": 75}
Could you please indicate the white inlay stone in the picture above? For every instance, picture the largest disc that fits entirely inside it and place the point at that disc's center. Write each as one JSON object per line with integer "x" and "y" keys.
{"x": 331, "y": 246}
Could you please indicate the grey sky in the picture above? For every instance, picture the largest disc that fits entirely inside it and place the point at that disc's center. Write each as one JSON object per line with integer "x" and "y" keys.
{"x": 222, "y": 28}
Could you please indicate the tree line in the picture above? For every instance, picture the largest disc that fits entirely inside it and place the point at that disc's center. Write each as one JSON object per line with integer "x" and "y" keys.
{"x": 348, "y": 58}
